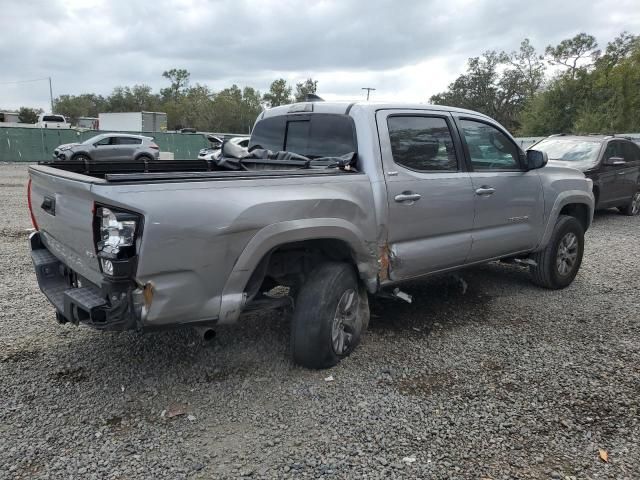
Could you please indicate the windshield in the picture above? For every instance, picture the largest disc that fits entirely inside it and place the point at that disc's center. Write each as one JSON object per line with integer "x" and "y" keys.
{"x": 315, "y": 135}
{"x": 92, "y": 140}
{"x": 570, "y": 149}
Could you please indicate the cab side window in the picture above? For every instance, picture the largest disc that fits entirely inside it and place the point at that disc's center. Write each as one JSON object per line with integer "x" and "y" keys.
{"x": 104, "y": 141}
{"x": 614, "y": 149}
{"x": 489, "y": 148}
{"x": 423, "y": 144}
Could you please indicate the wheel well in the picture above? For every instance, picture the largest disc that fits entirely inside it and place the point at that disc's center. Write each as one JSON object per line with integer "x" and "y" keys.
{"x": 579, "y": 211}
{"x": 289, "y": 264}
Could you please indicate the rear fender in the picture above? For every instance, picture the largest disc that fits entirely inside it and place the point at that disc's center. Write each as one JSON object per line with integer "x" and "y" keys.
{"x": 272, "y": 236}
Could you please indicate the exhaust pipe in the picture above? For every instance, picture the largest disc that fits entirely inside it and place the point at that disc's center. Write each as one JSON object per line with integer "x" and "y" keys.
{"x": 206, "y": 333}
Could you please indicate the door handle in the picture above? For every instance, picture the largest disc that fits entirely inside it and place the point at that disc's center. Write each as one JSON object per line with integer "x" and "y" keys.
{"x": 484, "y": 190}
{"x": 407, "y": 197}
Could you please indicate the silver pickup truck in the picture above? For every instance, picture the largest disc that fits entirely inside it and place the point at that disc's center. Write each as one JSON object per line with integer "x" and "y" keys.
{"x": 376, "y": 194}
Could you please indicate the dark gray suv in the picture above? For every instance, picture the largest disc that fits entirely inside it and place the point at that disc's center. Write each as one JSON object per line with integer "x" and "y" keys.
{"x": 613, "y": 163}
{"x": 110, "y": 146}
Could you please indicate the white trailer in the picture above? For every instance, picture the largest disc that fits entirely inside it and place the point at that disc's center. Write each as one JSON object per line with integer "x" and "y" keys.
{"x": 133, "y": 121}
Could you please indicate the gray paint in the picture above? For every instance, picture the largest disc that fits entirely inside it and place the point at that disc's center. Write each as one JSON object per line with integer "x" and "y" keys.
{"x": 203, "y": 239}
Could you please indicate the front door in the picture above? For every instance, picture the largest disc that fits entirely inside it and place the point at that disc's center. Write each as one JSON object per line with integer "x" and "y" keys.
{"x": 630, "y": 175}
{"x": 509, "y": 203}
{"x": 429, "y": 193}
{"x": 104, "y": 149}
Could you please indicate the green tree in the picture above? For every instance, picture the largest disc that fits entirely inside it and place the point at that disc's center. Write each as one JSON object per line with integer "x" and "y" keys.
{"x": 309, "y": 86}
{"x": 572, "y": 51}
{"x": 279, "y": 93}
{"x": 83, "y": 105}
{"x": 600, "y": 96}
{"x": 179, "y": 78}
{"x": 497, "y": 84}
{"x": 28, "y": 115}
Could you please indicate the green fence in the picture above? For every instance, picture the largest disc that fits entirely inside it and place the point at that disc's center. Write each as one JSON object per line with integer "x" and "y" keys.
{"x": 37, "y": 144}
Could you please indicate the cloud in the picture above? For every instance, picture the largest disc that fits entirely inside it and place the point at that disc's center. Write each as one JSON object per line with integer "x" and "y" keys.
{"x": 407, "y": 50}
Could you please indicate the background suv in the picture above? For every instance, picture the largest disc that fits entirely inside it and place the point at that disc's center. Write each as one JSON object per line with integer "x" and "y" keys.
{"x": 110, "y": 146}
{"x": 613, "y": 163}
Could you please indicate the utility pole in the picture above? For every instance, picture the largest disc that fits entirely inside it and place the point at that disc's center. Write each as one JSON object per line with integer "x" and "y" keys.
{"x": 368, "y": 89}
{"x": 51, "y": 95}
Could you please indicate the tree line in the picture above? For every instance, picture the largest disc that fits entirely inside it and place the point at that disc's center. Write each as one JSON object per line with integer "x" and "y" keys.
{"x": 232, "y": 109}
{"x": 573, "y": 87}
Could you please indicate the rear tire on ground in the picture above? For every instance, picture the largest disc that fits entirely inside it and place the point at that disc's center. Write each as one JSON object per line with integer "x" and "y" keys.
{"x": 559, "y": 262}
{"x": 330, "y": 316}
{"x": 633, "y": 207}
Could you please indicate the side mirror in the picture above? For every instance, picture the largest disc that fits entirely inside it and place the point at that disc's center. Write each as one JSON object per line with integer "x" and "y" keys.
{"x": 614, "y": 161}
{"x": 536, "y": 159}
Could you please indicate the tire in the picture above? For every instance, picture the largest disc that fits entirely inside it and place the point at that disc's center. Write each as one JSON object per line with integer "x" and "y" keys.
{"x": 330, "y": 316}
{"x": 633, "y": 207}
{"x": 144, "y": 158}
{"x": 81, "y": 157}
{"x": 559, "y": 262}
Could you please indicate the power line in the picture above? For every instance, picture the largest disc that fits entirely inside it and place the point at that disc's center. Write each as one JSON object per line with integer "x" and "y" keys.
{"x": 25, "y": 81}
{"x": 16, "y": 82}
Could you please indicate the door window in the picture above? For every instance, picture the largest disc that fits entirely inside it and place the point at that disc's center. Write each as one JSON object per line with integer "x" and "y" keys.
{"x": 489, "y": 148}
{"x": 614, "y": 149}
{"x": 423, "y": 144}
{"x": 105, "y": 141}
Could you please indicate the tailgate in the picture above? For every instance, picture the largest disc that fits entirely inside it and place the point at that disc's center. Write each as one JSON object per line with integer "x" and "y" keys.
{"x": 63, "y": 209}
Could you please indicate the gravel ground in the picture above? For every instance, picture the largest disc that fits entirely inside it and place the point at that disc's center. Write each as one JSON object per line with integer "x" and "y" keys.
{"x": 503, "y": 381}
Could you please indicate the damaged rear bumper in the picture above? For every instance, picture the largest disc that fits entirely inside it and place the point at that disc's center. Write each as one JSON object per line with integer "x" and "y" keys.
{"x": 115, "y": 305}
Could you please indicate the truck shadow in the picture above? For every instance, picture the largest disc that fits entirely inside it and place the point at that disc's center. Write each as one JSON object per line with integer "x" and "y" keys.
{"x": 449, "y": 300}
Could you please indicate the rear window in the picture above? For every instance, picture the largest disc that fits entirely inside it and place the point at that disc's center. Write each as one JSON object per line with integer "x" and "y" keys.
{"x": 53, "y": 118}
{"x": 316, "y": 135}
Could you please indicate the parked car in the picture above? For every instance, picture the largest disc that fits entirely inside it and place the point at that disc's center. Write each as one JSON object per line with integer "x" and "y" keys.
{"x": 49, "y": 120}
{"x": 376, "y": 195}
{"x": 613, "y": 163}
{"x": 109, "y": 146}
{"x": 212, "y": 153}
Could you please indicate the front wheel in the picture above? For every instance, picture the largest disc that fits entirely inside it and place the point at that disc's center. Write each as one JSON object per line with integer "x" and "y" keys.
{"x": 558, "y": 264}
{"x": 331, "y": 314}
{"x": 81, "y": 157}
{"x": 633, "y": 207}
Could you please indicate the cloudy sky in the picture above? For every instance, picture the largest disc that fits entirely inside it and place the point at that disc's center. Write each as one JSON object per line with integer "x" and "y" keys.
{"x": 407, "y": 50}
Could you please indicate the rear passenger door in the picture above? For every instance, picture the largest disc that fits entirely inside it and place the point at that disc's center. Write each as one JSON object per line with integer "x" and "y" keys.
{"x": 509, "y": 204}
{"x": 125, "y": 147}
{"x": 429, "y": 193}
